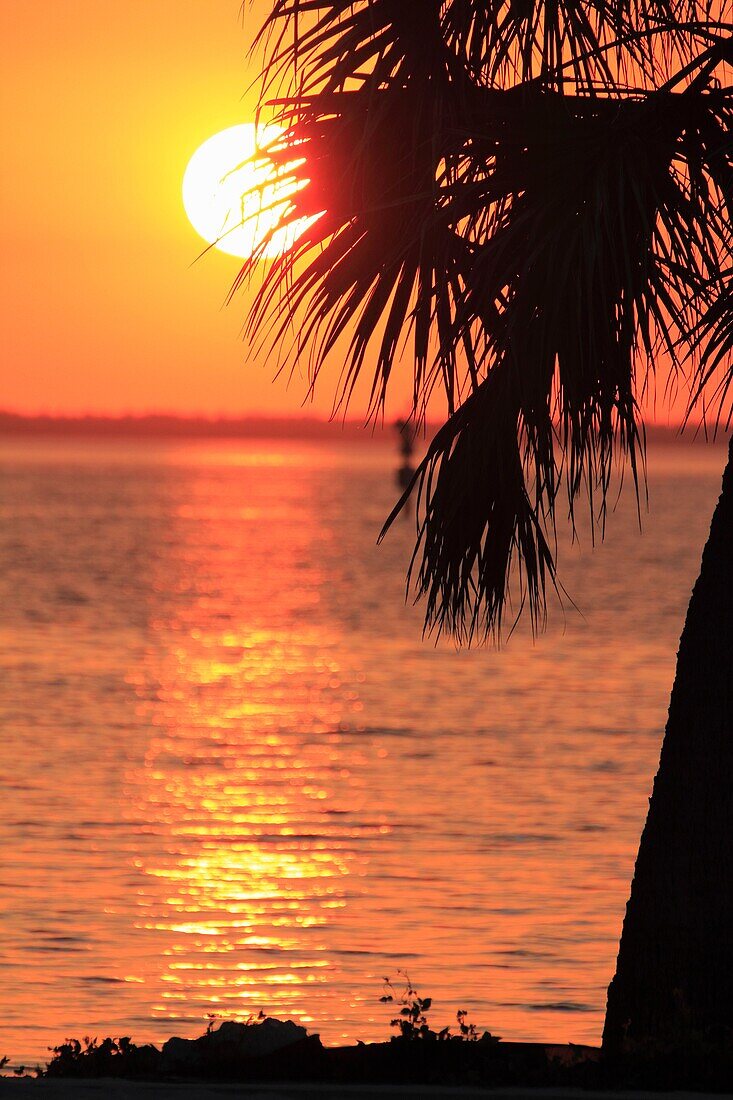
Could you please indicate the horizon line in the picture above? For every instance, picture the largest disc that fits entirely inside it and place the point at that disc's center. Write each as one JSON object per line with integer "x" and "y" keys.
{"x": 201, "y": 425}
{"x": 244, "y": 425}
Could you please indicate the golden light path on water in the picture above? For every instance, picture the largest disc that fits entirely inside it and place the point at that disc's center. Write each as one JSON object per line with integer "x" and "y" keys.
{"x": 236, "y": 778}
{"x": 244, "y": 768}
{"x": 245, "y": 871}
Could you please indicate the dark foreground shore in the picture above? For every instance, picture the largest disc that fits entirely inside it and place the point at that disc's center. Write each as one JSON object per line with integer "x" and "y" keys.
{"x": 278, "y": 1060}
{"x": 111, "y": 1089}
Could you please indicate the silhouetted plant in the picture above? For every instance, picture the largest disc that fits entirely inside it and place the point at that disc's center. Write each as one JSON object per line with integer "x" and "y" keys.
{"x": 412, "y": 1022}
{"x": 466, "y": 1029}
{"x": 212, "y": 1018}
{"x": 112, "y": 1057}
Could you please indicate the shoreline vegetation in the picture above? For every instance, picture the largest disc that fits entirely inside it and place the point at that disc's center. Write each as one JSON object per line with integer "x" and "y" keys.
{"x": 169, "y": 426}
{"x": 265, "y": 1050}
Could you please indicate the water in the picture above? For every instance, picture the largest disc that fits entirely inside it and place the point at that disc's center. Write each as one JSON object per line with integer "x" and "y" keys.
{"x": 234, "y": 777}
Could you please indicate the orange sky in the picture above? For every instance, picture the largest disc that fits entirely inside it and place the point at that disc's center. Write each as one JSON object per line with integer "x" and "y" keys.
{"x": 103, "y": 104}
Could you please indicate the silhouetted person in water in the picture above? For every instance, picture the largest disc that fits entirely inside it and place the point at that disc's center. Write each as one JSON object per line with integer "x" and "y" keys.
{"x": 406, "y": 432}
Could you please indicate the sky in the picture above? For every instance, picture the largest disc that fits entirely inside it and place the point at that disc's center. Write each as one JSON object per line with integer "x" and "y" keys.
{"x": 108, "y": 306}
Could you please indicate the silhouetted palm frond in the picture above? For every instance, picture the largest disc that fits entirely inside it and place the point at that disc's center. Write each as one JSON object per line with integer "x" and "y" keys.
{"x": 478, "y": 520}
{"x": 712, "y": 396}
{"x": 381, "y": 258}
{"x": 542, "y": 252}
{"x": 336, "y": 44}
{"x": 711, "y": 391}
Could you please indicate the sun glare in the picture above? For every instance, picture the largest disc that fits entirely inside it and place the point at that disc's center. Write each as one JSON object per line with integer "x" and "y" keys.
{"x": 232, "y": 200}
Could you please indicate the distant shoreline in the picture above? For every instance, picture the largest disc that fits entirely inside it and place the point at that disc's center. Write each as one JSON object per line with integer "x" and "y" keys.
{"x": 169, "y": 426}
{"x": 163, "y": 426}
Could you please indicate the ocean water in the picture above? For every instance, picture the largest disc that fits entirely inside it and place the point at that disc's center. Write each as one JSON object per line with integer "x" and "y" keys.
{"x": 235, "y": 776}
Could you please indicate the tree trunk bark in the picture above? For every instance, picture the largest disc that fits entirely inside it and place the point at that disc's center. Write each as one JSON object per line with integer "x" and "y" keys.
{"x": 674, "y": 975}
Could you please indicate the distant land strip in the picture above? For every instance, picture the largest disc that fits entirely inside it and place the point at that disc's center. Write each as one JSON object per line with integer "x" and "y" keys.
{"x": 169, "y": 426}
{"x": 165, "y": 426}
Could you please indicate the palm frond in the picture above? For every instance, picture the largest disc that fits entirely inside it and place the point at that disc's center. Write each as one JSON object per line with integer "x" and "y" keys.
{"x": 380, "y": 260}
{"x": 710, "y": 171}
{"x": 478, "y": 522}
{"x": 711, "y": 394}
{"x": 542, "y": 251}
{"x": 316, "y": 45}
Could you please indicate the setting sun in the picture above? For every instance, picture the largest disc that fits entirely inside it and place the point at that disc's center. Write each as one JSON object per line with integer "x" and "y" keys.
{"x": 233, "y": 199}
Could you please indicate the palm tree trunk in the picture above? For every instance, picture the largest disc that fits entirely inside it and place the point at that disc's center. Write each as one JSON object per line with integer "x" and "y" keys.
{"x": 674, "y": 975}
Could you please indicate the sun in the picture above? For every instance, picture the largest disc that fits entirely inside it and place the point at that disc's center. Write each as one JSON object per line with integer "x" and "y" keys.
{"x": 232, "y": 200}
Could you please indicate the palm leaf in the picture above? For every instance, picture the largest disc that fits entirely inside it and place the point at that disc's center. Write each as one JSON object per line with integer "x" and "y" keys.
{"x": 542, "y": 251}
{"x": 335, "y": 44}
{"x": 478, "y": 520}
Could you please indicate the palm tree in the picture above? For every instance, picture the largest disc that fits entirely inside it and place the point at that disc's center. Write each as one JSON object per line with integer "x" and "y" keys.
{"x": 533, "y": 197}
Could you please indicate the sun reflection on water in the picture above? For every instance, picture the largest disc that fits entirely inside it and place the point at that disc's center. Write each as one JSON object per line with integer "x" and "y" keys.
{"x": 245, "y": 772}
{"x": 243, "y": 780}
